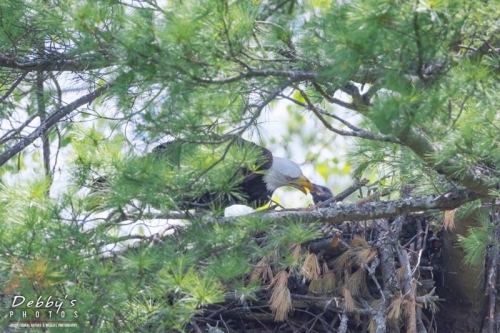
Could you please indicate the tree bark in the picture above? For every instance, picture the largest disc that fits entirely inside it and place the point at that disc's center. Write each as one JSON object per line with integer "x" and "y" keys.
{"x": 461, "y": 285}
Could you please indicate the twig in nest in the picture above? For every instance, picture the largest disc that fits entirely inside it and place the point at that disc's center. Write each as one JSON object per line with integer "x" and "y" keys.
{"x": 374, "y": 196}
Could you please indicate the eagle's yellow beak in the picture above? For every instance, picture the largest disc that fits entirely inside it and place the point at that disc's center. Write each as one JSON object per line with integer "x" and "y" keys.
{"x": 302, "y": 183}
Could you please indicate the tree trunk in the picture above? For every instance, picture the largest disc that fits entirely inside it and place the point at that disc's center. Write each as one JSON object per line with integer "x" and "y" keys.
{"x": 461, "y": 285}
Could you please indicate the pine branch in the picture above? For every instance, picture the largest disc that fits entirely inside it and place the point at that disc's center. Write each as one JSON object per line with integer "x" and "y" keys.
{"x": 486, "y": 47}
{"x": 293, "y": 75}
{"x": 336, "y": 213}
{"x": 333, "y": 100}
{"x": 50, "y": 121}
{"x": 14, "y": 86}
{"x": 9, "y": 135}
{"x": 372, "y": 210}
{"x": 356, "y": 132}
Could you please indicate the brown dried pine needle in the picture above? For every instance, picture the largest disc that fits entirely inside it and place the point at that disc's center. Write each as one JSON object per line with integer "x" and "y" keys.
{"x": 262, "y": 271}
{"x": 359, "y": 241}
{"x": 350, "y": 303}
{"x": 328, "y": 282}
{"x": 449, "y": 219}
{"x": 357, "y": 282}
{"x": 280, "y": 302}
{"x": 296, "y": 252}
{"x": 310, "y": 269}
{"x": 365, "y": 256}
{"x": 343, "y": 260}
{"x": 395, "y": 308}
{"x": 325, "y": 267}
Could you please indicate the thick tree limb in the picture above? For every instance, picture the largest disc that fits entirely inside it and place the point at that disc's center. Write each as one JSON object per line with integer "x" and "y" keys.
{"x": 336, "y": 213}
{"x": 371, "y": 210}
{"x": 50, "y": 121}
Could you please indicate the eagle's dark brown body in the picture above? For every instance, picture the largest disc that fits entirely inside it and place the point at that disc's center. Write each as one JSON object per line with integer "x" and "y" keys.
{"x": 253, "y": 189}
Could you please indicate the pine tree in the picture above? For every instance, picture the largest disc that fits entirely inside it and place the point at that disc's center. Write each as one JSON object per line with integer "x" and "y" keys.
{"x": 92, "y": 213}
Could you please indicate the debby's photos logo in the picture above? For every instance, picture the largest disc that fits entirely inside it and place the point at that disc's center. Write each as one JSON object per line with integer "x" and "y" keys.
{"x": 42, "y": 312}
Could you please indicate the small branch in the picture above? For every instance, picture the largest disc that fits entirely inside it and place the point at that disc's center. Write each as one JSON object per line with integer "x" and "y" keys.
{"x": 491, "y": 280}
{"x": 324, "y": 112}
{"x": 343, "y": 323}
{"x": 333, "y": 100}
{"x": 478, "y": 54}
{"x": 14, "y": 85}
{"x": 358, "y": 133}
{"x": 12, "y": 133}
{"x": 374, "y": 196}
{"x": 305, "y": 301}
{"x": 408, "y": 288}
{"x": 371, "y": 271}
{"x": 61, "y": 64}
{"x": 388, "y": 270}
{"x": 293, "y": 75}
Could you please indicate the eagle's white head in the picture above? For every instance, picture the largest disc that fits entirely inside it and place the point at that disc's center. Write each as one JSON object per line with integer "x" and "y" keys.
{"x": 284, "y": 172}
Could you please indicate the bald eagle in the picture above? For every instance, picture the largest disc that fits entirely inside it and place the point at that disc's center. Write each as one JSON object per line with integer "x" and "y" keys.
{"x": 256, "y": 186}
